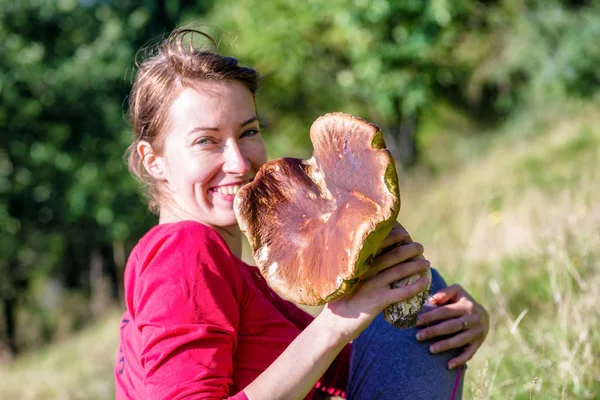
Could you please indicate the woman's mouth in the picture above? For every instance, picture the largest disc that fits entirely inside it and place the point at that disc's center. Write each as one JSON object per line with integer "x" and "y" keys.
{"x": 227, "y": 192}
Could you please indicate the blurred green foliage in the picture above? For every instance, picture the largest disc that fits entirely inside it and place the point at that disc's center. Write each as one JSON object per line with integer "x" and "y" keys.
{"x": 383, "y": 60}
{"x": 65, "y": 192}
{"x": 66, "y": 198}
{"x": 392, "y": 61}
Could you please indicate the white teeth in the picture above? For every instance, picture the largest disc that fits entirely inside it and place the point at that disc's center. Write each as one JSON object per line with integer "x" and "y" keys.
{"x": 228, "y": 190}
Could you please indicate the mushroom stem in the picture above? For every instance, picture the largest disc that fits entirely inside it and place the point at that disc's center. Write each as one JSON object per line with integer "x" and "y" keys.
{"x": 404, "y": 314}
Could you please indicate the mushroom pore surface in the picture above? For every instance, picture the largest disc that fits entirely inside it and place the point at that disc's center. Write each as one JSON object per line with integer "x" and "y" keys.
{"x": 315, "y": 225}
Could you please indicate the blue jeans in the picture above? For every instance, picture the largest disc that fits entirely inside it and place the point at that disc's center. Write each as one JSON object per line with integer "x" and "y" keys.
{"x": 389, "y": 363}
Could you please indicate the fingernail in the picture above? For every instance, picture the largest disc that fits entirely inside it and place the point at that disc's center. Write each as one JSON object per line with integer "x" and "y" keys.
{"x": 433, "y": 349}
{"x": 451, "y": 365}
{"x": 420, "y": 336}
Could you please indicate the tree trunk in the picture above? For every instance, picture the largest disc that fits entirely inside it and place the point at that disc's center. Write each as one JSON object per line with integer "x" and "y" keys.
{"x": 98, "y": 285}
{"x": 9, "y": 315}
{"x": 119, "y": 271}
{"x": 403, "y": 132}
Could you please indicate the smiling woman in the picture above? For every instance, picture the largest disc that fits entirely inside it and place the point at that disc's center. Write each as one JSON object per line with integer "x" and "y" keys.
{"x": 178, "y": 79}
{"x": 211, "y": 148}
{"x": 199, "y": 322}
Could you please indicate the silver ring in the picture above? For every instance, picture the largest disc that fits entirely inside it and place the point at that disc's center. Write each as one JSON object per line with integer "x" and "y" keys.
{"x": 463, "y": 322}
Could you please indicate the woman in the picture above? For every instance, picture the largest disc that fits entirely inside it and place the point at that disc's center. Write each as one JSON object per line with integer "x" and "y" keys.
{"x": 199, "y": 322}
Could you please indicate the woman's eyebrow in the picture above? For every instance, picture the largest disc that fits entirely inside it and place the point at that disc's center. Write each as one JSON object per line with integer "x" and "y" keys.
{"x": 200, "y": 129}
{"x": 249, "y": 120}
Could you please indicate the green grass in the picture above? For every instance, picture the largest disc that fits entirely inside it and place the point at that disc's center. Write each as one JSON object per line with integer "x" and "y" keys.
{"x": 518, "y": 224}
{"x": 514, "y": 216}
{"x": 79, "y": 367}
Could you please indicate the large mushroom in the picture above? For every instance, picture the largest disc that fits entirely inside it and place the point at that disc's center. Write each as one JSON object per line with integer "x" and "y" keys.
{"x": 315, "y": 225}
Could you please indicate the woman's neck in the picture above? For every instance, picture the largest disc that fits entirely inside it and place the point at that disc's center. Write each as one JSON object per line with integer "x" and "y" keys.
{"x": 233, "y": 237}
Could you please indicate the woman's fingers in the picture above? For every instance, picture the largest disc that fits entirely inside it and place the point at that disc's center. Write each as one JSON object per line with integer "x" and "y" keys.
{"x": 394, "y": 256}
{"x": 440, "y": 314}
{"x": 373, "y": 295}
{"x": 458, "y": 320}
{"x": 446, "y": 294}
{"x": 397, "y": 255}
{"x": 395, "y": 295}
{"x": 443, "y": 328}
{"x": 455, "y": 342}
{"x": 400, "y": 271}
{"x": 465, "y": 356}
{"x": 398, "y": 235}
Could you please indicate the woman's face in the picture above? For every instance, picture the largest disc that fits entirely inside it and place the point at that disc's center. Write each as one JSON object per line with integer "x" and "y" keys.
{"x": 213, "y": 147}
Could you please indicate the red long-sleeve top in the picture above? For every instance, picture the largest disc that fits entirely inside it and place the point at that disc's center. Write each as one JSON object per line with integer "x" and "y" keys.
{"x": 200, "y": 323}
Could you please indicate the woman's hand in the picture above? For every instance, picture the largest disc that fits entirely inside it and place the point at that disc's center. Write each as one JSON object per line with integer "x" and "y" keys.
{"x": 396, "y": 248}
{"x": 354, "y": 312}
{"x": 455, "y": 313}
{"x": 307, "y": 358}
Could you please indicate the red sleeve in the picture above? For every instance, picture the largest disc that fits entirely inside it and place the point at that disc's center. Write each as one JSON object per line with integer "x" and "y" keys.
{"x": 335, "y": 379}
{"x": 186, "y": 306}
{"x": 292, "y": 312}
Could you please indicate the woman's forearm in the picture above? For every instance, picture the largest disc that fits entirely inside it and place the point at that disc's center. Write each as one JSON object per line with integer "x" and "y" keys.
{"x": 296, "y": 371}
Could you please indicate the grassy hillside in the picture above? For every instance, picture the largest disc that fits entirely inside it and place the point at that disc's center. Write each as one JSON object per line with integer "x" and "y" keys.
{"x": 515, "y": 218}
{"x": 78, "y": 368}
{"x": 518, "y": 224}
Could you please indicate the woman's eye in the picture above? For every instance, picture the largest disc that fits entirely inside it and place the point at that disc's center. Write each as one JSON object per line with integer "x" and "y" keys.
{"x": 204, "y": 141}
{"x": 250, "y": 132}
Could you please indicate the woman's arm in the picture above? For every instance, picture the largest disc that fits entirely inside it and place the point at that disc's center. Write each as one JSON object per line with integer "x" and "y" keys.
{"x": 299, "y": 367}
{"x": 185, "y": 306}
{"x": 335, "y": 380}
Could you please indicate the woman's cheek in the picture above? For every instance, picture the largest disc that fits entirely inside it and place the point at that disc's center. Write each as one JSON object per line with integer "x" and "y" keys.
{"x": 260, "y": 155}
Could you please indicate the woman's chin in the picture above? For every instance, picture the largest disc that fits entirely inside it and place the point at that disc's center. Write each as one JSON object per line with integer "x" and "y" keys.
{"x": 226, "y": 218}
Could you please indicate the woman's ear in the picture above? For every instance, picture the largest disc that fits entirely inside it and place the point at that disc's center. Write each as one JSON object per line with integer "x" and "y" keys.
{"x": 153, "y": 163}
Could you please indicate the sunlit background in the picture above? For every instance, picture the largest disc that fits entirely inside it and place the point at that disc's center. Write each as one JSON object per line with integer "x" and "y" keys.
{"x": 491, "y": 109}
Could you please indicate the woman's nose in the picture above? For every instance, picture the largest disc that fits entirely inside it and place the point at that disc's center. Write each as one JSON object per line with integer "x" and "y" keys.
{"x": 235, "y": 160}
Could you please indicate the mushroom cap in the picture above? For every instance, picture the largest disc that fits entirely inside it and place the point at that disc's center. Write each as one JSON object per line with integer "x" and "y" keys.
{"x": 315, "y": 225}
